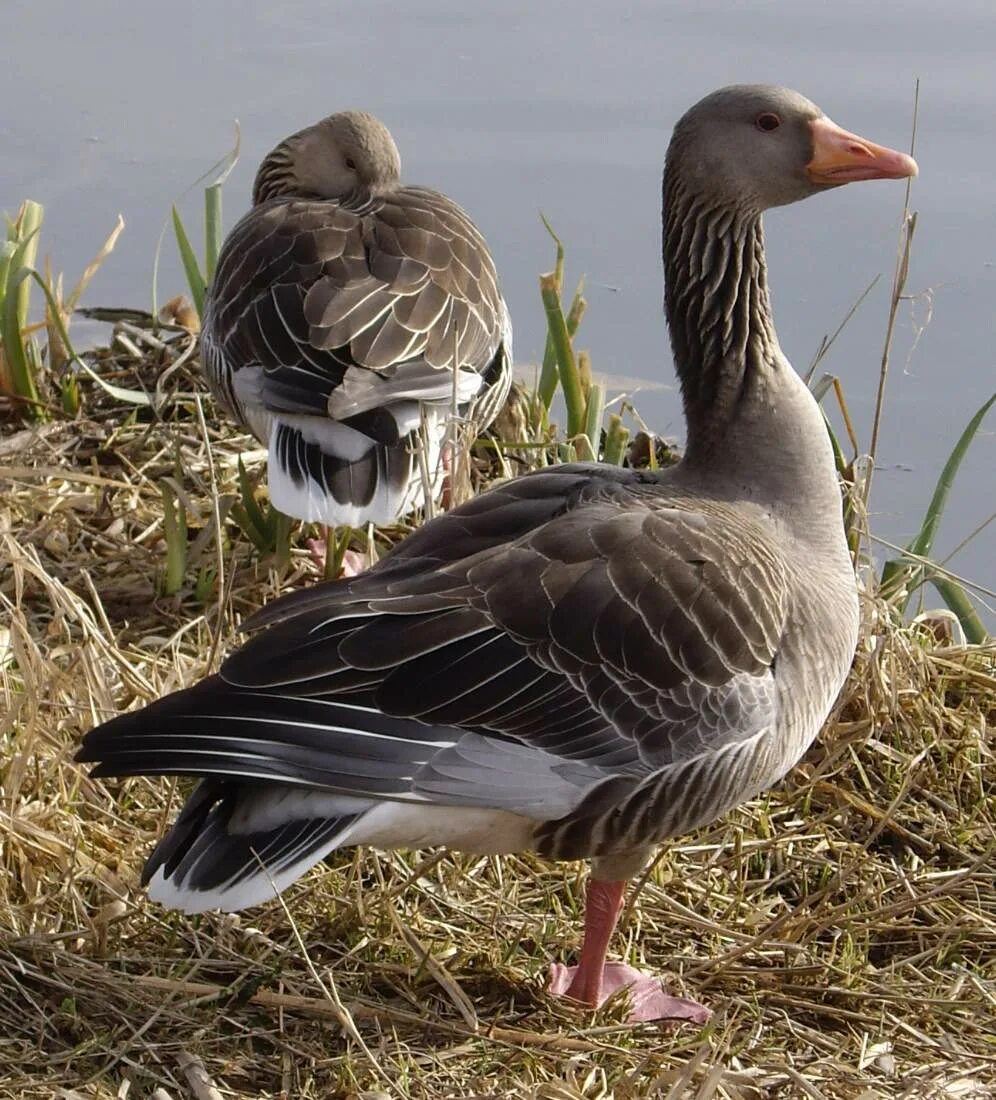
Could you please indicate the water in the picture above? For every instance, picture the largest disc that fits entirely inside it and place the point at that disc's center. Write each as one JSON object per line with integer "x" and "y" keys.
{"x": 564, "y": 108}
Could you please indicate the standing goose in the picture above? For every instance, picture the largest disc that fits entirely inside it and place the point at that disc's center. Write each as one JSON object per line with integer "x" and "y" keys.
{"x": 347, "y": 308}
{"x": 583, "y": 661}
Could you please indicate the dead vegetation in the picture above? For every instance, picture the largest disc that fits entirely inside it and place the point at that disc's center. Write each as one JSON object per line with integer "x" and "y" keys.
{"x": 843, "y": 928}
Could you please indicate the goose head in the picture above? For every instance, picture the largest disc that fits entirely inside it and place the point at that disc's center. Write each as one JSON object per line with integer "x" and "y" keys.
{"x": 754, "y": 146}
{"x": 349, "y": 153}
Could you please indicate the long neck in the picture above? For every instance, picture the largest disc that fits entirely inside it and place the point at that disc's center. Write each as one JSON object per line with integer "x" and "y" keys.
{"x": 754, "y": 430}
{"x": 718, "y": 311}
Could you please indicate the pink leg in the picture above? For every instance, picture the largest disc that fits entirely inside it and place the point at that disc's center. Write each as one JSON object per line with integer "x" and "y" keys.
{"x": 318, "y": 549}
{"x": 603, "y": 905}
{"x": 353, "y": 561}
{"x": 593, "y": 981}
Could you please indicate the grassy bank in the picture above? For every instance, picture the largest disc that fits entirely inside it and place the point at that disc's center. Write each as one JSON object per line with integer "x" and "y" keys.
{"x": 843, "y": 927}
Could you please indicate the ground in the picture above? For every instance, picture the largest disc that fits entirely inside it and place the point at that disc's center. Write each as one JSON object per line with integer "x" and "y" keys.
{"x": 843, "y": 928}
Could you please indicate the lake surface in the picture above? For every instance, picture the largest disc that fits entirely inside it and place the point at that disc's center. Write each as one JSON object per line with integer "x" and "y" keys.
{"x": 565, "y": 108}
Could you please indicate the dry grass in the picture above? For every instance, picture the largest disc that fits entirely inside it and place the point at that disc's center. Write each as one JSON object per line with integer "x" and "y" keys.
{"x": 843, "y": 928}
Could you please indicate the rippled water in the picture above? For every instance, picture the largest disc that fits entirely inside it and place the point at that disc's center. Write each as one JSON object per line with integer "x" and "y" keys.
{"x": 565, "y": 108}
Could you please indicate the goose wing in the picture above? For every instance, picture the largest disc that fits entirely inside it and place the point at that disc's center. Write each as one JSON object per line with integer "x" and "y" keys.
{"x": 546, "y": 649}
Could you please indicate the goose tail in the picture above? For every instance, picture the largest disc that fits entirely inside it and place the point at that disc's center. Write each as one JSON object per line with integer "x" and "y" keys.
{"x": 236, "y": 845}
{"x": 321, "y": 482}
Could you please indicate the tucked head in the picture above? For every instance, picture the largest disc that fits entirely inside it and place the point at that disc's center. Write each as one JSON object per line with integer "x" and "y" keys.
{"x": 757, "y": 145}
{"x": 342, "y": 155}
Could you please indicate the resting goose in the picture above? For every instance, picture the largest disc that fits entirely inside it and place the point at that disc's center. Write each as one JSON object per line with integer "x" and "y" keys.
{"x": 347, "y": 309}
{"x": 583, "y": 661}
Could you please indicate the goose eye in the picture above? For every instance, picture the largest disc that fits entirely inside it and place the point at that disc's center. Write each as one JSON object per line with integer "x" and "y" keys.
{"x": 768, "y": 122}
{"x": 351, "y": 164}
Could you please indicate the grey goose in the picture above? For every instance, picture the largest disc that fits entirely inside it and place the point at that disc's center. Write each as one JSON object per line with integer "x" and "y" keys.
{"x": 349, "y": 317}
{"x": 583, "y": 661}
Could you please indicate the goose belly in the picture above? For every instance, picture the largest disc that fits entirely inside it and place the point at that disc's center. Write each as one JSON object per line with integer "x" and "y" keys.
{"x": 462, "y": 828}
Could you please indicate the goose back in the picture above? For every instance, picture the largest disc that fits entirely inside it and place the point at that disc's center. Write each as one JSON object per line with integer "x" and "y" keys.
{"x": 345, "y": 332}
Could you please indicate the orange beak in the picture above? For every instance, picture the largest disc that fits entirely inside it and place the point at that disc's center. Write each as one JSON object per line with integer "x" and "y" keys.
{"x": 840, "y": 157}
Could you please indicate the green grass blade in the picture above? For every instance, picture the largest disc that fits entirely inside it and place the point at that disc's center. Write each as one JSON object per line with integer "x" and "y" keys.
{"x": 14, "y": 346}
{"x": 69, "y": 395}
{"x": 119, "y": 393}
{"x": 282, "y": 524}
{"x": 218, "y": 173}
{"x": 175, "y": 529}
{"x": 570, "y": 381}
{"x": 898, "y": 570}
{"x": 839, "y": 460}
{"x": 248, "y": 501}
{"x": 204, "y": 586}
{"x": 558, "y": 267}
{"x": 583, "y": 360}
{"x": 212, "y": 229}
{"x": 15, "y": 300}
{"x": 819, "y": 389}
{"x": 593, "y": 418}
{"x": 923, "y": 542}
{"x": 957, "y": 600}
{"x": 7, "y": 250}
{"x": 244, "y": 523}
{"x": 29, "y": 223}
{"x": 549, "y": 375}
{"x": 616, "y": 438}
{"x": 260, "y": 528}
{"x": 336, "y": 545}
{"x": 894, "y": 572}
{"x": 195, "y": 279}
{"x": 20, "y": 352}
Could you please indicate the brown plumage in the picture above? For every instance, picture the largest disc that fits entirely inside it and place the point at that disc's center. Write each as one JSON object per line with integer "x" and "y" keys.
{"x": 343, "y": 304}
{"x": 585, "y": 660}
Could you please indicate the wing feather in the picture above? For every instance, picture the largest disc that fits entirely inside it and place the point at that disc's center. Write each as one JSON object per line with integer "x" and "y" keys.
{"x": 598, "y": 630}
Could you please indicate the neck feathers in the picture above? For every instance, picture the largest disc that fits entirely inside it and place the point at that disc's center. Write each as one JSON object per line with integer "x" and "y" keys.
{"x": 275, "y": 176}
{"x": 718, "y": 309}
